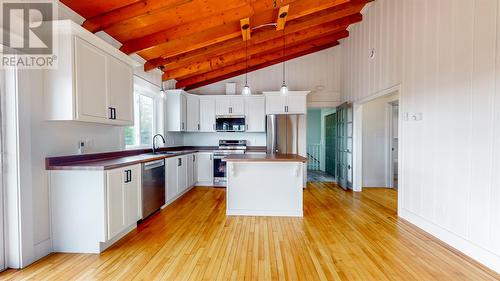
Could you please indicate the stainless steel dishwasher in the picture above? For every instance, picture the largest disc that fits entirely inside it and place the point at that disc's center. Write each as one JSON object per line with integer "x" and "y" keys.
{"x": 153, "y": 187}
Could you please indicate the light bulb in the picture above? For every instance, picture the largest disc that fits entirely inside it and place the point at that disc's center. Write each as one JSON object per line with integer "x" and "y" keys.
{"x": 246, "y": 91}
{"x": 284, "y": 89}
{"x": 162, "y": 93}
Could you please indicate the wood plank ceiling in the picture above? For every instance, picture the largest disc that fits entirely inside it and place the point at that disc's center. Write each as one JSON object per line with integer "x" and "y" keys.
{"x": 198, "y": 42}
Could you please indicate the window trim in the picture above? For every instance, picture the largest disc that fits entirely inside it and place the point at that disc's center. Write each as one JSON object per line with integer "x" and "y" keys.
{"x": 138, "y": 90}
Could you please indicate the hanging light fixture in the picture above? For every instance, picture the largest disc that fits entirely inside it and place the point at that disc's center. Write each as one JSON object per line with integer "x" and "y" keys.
{"x": 162, "y": 89}
{"x": 246, "y": 90}
{"x": 284, "y": 88}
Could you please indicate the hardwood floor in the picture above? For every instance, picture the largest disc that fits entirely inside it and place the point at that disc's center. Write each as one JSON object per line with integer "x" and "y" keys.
{"x": 343, "y": 236}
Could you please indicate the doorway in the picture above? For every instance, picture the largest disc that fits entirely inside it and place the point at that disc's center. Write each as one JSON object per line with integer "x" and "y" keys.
{"x": 320, "y": 145}
{"x": 343, "y": 145}
{"x": 376, "y": 141}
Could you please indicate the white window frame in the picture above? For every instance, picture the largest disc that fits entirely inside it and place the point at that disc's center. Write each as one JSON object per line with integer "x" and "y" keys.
{"x": 139, "y": 90}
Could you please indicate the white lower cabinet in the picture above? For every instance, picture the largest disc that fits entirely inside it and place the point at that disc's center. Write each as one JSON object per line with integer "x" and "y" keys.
{"x": 91, "y": 210}
{"x": 205, "y": 164}
{"x": 178, "y": 176}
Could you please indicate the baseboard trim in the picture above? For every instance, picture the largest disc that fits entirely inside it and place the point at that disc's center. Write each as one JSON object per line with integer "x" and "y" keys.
{"x": 42, "y": 249}
{"x": 479, "y": 254}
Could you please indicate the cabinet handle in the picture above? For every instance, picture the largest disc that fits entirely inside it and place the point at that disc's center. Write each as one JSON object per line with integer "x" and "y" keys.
{"x": 182, "y": 126}
{"x": 211, "y": 157}
{"x": 128, "y": 176}
{"x": 110, "y": 112}
{"x": 114, "y": 113}
{"x": 198, "y": 127}
{"x": 194, "y": 158}
{"x": 179, "y": 162}
{"x": 230, "y": 110}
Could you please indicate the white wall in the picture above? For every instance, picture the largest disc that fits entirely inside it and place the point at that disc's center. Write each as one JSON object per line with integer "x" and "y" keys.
{"x": 445, "y": 54}
{"x": 375, "y": 143}
{"x": 318, "y": 72}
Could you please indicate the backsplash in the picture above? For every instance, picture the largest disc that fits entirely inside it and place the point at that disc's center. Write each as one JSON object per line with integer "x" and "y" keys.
{"x": 212, "y": 139}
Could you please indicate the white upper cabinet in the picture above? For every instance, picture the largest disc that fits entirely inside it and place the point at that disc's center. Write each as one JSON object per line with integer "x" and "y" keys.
{"x": 295, "y": 102}
{"x": 120, "y": 92}
{"x": 255, "y": 114}
{"x": 207, "y": 114}
{"x": 93, "y": 81}
{"x": 90, "y": 80}
{"x": 230, "y": 105}
{"x": 176, "y": 110}
{"x": 192, "y": 113}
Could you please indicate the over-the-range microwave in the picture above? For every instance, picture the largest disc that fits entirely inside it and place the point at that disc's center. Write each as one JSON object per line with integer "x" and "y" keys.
{"x": 230, "y": 123}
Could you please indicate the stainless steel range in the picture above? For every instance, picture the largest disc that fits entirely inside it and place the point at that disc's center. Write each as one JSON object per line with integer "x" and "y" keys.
{"x": 226, "y": 147}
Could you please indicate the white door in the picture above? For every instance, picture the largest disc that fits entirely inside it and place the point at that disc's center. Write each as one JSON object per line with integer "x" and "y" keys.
{"x": 275, "y": 104}
{"x": 296, "y": 104}
{"x": 255, "y": 114}
{"x": 171, "y": 178}
{"x": 205, "y": 168}
{"x": 222, "y": 105}
{"x": 91, "y": 82}
{"x": 207, "y": 115}
{"x": 121, "y": 89}
{"x": 133, "y": 208}
{"x": 237, "y": 106}
{"x": 115, "y": 201}
{"x": 193, "y": 113}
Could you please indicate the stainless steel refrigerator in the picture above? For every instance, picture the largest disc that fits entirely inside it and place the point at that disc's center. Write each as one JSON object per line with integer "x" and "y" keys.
{"x": 286, "y": 134}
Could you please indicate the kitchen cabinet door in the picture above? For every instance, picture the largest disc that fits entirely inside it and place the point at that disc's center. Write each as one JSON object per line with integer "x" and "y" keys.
{"x": 115, "y": 195}
{"x": 195, "y": 168}
{"x": 171, "y": 178}
{"x": 121, "y": 91}
{"x": 189, "y": 170}
{"x": 205, "y": 168}
{"x": 192, "y": 113}
{"x": 275, "y": 104}
{"x": 237, "y": 106}
{"x": 255, "y": 113}
{"x": 296, "y": 104}
{"x": 183, "y": 112}
{"x": 133, "y": 200}
{"x": 222, "y": 105}
{"x": 182, "y": 174}
{"x": 207, "y": 115}
{"x": 91, "y": 82}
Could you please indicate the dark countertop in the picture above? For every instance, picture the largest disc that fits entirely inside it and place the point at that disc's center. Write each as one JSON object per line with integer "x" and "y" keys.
{"x": 266, "y": 158}
{"x": 117, "y": 159}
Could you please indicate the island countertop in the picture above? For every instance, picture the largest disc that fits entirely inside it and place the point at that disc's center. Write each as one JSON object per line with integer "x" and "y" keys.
{"x": 266, "y": 158}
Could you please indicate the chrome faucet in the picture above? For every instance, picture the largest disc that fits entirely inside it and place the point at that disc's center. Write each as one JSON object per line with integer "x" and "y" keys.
{"x": 154, "y": 138}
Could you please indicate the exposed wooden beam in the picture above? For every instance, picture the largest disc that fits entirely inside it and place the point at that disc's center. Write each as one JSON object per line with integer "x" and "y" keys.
{"x": 263, "y": 58}
{"x": 150, "y": 46}
{"x": 245, "y": 29}
{"x": 339, "y": 18}
{"x": 301, "y": 37}
{"x": 255, "y": 67}
{"x": 136, "y": 9}
{"x": 282, "y": 15}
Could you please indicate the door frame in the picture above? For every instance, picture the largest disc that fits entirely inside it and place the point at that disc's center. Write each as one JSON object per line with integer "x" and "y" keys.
{"x": 334, "y": 115}
{"x": 358, "y": 137}
{"x": 390, "y": 134}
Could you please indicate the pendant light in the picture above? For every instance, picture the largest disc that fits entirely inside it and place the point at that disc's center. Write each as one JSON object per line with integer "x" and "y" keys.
{"x": 246, "y": 90}
{"x": 162, "y": 89}
{"x": 284, "y": 88}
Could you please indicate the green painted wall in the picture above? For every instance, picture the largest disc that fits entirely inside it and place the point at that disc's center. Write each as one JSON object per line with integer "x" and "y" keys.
{"x": 313, "y": 126}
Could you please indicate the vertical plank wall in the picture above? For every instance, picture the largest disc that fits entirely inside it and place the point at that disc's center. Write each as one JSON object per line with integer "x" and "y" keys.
{"x": 446, "y": 56}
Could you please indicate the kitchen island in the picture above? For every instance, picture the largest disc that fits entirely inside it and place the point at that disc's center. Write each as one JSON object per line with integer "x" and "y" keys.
{"x": 265, "y": 185}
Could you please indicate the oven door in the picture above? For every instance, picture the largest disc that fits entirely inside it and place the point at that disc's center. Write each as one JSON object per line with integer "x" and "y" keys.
{"x": 219, "y": 170}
